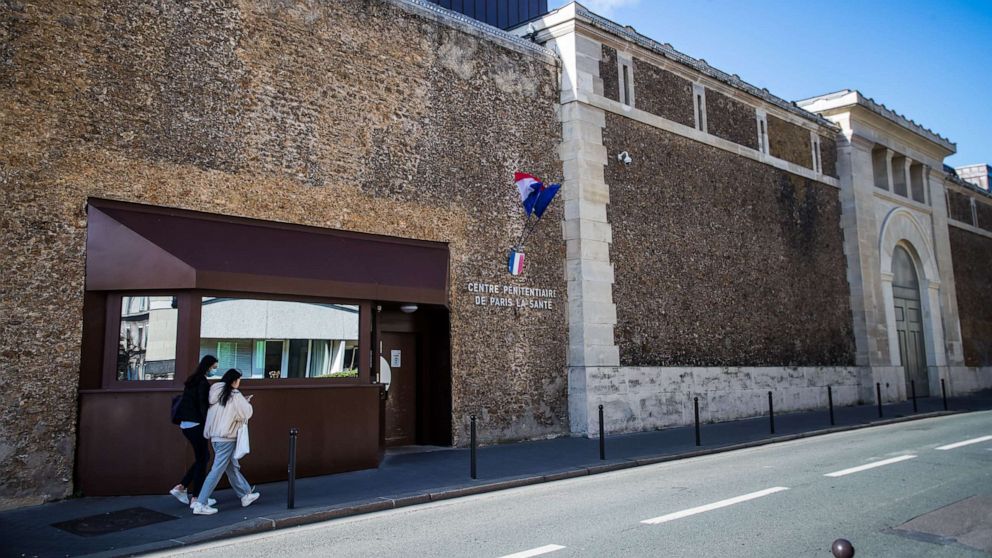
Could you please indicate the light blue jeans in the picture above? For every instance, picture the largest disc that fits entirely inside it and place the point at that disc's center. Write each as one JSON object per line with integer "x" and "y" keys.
{"x": 224, "y": 462}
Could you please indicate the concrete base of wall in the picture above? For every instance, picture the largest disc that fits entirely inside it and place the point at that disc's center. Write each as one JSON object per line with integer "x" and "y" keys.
{"x": 648, "y": 398}
{"x": 962, "y": 380}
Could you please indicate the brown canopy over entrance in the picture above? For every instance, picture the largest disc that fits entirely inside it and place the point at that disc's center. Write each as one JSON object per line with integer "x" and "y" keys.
{"x": 131, "y": 246}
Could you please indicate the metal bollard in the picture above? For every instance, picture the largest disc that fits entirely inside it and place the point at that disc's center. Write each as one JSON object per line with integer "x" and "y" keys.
{"x": 771, "y": 412}
{"x": 912, "y": 392}
{"x": 830, "y": 403}
{"x": 695, "y": 404}
{"x": 472, "y": 454}
{"x": 291, "y": 492}
{"x": 943, "y": 392}
{"x": 842, "y": 548}
{"x": 602, "y": 436}
{"x": 878, "y": 398}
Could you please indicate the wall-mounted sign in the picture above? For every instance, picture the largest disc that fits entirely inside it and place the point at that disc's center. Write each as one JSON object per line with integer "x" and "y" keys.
{"x": 512, "y": 296}
{"x": 395, "y": 358}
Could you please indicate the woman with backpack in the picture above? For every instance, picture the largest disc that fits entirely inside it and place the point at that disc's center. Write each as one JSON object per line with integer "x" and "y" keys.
{"x": 229, "y": 411}
{"x": 191, "y": 415}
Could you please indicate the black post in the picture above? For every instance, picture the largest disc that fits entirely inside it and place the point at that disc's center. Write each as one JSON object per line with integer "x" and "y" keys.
{"x": 830, "y": 403}
{"x": 695, "y": 404}
{"x": 878, "y": 398}
{"x": 291, "y": 493}
{"x": 912, "y": 391}
{"x": 472, "y": 455}
{"x": 943, "y": 392}
{"x": 602, "y": 436}
{"x": 771, "y": 412}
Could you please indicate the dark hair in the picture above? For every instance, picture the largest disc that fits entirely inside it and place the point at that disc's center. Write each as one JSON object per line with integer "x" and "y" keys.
{"x": 229, "y": 378}
{"x": 201, "y": 369}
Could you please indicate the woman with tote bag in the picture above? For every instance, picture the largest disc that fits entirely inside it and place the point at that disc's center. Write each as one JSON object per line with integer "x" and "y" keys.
{"x": 229, "y": 412}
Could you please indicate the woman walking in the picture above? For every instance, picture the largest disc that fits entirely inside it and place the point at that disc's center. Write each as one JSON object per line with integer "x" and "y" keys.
{"x": 192, "y": 414}
{"x": 229, "y": 410}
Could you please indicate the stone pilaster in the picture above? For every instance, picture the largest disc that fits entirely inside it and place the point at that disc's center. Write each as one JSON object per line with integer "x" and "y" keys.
{"x": 953, "y": 347}
{"x": 858, "y": 221}
{"x": 593, "y": 356}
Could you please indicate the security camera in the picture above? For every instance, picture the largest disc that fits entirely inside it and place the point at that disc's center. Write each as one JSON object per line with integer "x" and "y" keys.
{"x": 624, "y": 158}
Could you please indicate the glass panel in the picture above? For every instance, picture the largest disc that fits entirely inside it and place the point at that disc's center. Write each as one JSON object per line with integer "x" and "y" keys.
{"x": 280, "y": 339}
{"x": 146, "y": 348}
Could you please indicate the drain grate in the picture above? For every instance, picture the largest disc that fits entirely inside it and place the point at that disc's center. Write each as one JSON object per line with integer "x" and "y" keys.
{"x": 113, "y": 522}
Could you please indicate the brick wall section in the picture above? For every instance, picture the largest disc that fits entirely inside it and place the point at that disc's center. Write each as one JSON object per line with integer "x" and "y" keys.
{"x": 971, "y": 254}
{"x": 721, "y": 260}
{"x": 608, "y": 72}
{"x": 984, "y": 210}
{"x": 789, "y": 142}
{"x": 663, "y": 93}
{"x": 731, "y": 119}
{"x": 828, "y": 155}
{"x": 959, "y": 206}
{"x": 288, "y": 111}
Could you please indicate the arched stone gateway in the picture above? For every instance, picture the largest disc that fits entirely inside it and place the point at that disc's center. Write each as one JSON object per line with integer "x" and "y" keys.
{"x": 911, "y": 287}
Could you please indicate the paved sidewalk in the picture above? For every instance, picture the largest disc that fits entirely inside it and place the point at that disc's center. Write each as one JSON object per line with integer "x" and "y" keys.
{"x": 411, "y": 477}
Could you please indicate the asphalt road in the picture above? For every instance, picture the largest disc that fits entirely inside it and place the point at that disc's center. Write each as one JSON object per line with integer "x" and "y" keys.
{"x": 774, "y": 500}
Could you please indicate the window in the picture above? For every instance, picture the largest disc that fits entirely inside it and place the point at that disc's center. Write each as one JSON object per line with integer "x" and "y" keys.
{"x": 699, "y": 94}
{"x": 272, "y": 339}
{"x": 626, "y": 85}
{"x": 146, "y": 347}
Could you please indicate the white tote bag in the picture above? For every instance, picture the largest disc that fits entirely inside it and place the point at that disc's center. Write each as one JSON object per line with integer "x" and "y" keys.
{"x": 242, "y": 448}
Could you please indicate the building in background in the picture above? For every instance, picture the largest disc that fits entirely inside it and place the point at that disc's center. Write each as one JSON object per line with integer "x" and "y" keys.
{"x": 330, "y": 213}
{"x": 980, "y": 175}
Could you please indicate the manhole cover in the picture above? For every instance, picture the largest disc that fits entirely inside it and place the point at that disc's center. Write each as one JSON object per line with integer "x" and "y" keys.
{"x": 113, "y": 522}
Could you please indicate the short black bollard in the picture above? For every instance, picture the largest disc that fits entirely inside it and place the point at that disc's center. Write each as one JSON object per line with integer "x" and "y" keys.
{"x": 771, "y": 412}
{"x": 842, "y": 548}
{"x": 943, "y": 392}
{"x": 830, "y": 403}
{"x": 291, "y": 492}
{"x": 878, "y": 397}
{"x": 602, "y": 436}
{"x": 472, "y": 454}
{"x": 695, "y": 404}
{"x": 912, "y": 392}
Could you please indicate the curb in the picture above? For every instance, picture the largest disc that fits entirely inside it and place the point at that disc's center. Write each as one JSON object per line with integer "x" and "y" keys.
{"x": 306, "y": 516}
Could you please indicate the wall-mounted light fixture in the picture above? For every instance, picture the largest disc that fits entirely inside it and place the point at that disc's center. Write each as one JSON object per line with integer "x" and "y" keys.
{"x": 624, "y": 158}
{"x": 408, "y": 308}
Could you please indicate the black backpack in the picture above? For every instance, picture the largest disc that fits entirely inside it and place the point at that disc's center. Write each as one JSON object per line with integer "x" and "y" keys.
{"x": 175, "y": 408}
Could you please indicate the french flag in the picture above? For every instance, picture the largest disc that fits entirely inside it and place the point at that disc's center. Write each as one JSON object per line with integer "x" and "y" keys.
{"x": 516, "y": 262}
{"x": 530, "y": 187}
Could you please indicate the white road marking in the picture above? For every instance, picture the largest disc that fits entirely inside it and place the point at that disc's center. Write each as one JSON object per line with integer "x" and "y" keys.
{"x": 535, "y": 551}
{"x": 713, "y": 506}
{"x": 966, "y": 443}
{"x": 869, "y": 466}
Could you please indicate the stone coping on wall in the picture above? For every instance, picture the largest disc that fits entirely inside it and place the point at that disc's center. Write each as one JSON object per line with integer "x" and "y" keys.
{"x": 848, "y": 97}
{"x": 629, "y": 34}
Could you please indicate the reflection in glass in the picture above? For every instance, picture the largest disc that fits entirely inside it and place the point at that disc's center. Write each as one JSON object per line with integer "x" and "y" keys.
{"x": 279, "y": 339}
{"x": 146, "y": 348}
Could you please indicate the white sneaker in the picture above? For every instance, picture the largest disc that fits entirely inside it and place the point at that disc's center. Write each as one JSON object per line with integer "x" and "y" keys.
{"x": 247, "y": 499}
{"x": 210, "y": 502}
{"x": 180, "y": 495}
{"x": 200, "y": 509}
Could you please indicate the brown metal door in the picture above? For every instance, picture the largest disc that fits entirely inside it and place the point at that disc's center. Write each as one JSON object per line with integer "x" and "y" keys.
{"x": 400, "y": 351}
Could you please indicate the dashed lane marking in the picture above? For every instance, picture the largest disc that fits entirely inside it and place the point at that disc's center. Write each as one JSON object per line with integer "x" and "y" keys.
{"x": 965, "y": 443}
{"x": 713, "y": 506}
{"x": 535, "y": 551}
{"x": 870, "y": 466}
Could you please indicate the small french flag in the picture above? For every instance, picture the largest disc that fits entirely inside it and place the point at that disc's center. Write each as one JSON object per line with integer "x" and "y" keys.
{"x": 516, "y": 262}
